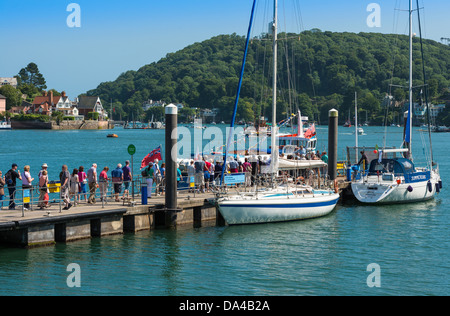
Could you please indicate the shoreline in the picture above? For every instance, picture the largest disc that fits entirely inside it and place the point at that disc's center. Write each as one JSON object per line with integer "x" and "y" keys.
{"x": 64, "y": 125}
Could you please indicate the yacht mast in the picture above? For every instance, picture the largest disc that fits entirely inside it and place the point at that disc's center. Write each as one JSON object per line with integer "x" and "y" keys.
{"x": 410, "y": 77}
{"x": 356, "y": 126}
{"x": 274, "y": 150}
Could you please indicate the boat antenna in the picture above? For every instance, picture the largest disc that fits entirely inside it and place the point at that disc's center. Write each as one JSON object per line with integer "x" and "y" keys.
{"x": 231, "y": 133}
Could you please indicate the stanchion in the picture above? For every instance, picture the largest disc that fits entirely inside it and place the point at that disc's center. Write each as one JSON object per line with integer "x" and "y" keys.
{"x": 171, "y": 165}
{"x": 144, "y": 194}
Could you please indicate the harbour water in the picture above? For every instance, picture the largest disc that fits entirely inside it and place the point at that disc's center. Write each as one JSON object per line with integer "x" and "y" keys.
{"x": 324, "y": 256}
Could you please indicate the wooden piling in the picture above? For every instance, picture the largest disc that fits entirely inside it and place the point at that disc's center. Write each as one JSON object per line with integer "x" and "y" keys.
{"x": 332, "y": 143}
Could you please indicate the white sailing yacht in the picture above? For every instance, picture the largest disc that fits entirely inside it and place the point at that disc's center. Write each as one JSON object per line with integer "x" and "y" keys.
{"x": 282, "y": 203}
{"x": 393, "y": 177}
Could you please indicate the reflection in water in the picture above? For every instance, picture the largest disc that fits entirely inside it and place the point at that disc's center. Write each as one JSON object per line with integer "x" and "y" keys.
{"x": 324, "y": 256}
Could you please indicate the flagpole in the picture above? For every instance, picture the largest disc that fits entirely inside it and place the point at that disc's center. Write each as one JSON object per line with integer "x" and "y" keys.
{"x": 132, "y": 178}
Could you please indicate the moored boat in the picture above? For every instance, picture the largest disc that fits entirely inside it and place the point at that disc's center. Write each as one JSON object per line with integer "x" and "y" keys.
{"x": 278, "y": 203}
{"x": 299, "y": 204}
{"x": 396, "y": 179}
{"x": 5, "y": 125}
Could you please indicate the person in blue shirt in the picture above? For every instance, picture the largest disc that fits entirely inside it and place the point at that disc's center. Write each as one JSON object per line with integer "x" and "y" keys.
{"x": 302, "y": 150}
{"x": 127, "y": 178}
{"x": 162, "y": 184}
{"x": 179, "y": 176}
{"x": 117, "y": 179}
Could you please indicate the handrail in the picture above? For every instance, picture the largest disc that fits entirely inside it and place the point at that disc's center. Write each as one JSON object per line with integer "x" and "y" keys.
{"x": 106, "y": 192}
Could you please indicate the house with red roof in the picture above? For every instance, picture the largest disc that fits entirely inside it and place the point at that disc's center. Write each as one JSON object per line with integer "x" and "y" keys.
{"x": 47, "y": 103}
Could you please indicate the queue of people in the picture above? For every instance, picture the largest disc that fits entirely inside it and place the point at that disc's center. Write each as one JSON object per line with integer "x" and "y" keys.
{"x": 203, "y": 172}
{"x": 74, "y": 186}
{"x": 80, "y": 185}
{"x": 154, "y": 174}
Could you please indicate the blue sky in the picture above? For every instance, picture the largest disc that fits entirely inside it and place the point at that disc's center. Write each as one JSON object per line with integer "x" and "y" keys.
{"x": 116, "y": 36}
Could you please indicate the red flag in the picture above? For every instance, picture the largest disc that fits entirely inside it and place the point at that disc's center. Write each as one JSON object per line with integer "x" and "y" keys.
{"x": 155, "y": 154}
{"x": 311, "y": 131}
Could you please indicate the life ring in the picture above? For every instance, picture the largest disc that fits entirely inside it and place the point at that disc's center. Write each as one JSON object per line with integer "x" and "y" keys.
{"x": 336, "y": 189}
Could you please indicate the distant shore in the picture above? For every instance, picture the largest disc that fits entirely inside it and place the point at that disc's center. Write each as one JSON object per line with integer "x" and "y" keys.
{"x": 63, "y": 125}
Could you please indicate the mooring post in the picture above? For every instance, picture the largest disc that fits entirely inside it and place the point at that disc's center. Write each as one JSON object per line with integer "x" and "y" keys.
{"x": 332, "y": 143}
{"x": 171, "y": 165}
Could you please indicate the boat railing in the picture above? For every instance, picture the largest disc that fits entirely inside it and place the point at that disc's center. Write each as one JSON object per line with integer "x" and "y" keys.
{"x": 356, "y": 175}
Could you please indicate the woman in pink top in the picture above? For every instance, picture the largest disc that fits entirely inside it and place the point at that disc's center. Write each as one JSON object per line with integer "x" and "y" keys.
{"x": 103, "y": 183}
{"x": 82, "y": 179}
{"x": 247, "y": 168}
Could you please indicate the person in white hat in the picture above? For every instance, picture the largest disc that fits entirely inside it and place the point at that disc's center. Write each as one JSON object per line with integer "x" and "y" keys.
{"x": 158, "y": 176}
{"x": 44, "y": 167}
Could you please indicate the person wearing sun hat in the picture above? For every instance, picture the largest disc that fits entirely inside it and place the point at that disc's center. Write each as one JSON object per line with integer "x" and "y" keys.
{"x": 44, "y": 167}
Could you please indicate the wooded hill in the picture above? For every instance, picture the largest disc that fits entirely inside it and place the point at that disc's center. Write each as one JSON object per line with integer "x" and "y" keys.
{"x": 325, "y": 69}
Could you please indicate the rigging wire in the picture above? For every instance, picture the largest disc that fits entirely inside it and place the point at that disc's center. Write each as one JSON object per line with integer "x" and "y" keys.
{"x": 425, "y": 83}
{"x": 239, "y": 89}
{"x": 395, "y": 49}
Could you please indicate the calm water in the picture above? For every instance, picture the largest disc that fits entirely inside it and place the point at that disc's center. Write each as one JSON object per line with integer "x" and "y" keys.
{"x": 325, "y": 256}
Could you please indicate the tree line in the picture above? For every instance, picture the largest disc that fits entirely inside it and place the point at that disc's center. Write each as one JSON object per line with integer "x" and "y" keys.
{"x": 318, "y": 71}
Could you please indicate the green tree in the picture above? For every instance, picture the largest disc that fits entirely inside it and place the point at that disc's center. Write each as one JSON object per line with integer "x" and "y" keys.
{"x": 29, "y": 90}
{"x": 31, "y": 75}
{"x": 325, "y": 69}
{"x": 186, "y": 114}
{"x": 13, "y": 96}
{"x": 155, "y": 112}
{"x": 399, "y": 94}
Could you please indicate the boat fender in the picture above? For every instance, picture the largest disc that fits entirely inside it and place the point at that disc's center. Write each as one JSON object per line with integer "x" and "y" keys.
{"x": 336, "y": 189}
{"x": 430, "y": 186}
{"x": 438, "y": 189}
{"x": 440, "y": 184}
{"x": 399, "y": 181}
{"x": 410, "y": 188}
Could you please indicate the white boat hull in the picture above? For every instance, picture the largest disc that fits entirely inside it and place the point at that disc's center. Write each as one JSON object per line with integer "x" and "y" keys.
{"x": 272, "y": 208}
{"x": 382, "y": 192}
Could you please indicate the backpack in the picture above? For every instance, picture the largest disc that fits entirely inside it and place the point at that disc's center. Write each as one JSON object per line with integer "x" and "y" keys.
{"x": 144, "y": 173}
{"x": 8, "y": 178}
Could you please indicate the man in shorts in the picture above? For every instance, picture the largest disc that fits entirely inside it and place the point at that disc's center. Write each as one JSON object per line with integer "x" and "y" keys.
{"x": 65, "y": 183}
{"x": 117, "y": 179}
{"x": 199, "y": 166}
{"x": 127, "y": 178}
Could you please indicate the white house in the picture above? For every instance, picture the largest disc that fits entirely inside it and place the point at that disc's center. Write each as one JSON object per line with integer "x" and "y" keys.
{"x": 91, "y": 104}
{"x": 8, "y": 81}
{"x": 63, "y": 102}
{"x": 150, "y": 103}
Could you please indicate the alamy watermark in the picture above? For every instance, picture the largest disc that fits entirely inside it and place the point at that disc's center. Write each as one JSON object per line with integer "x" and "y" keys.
{"x": 74, "y": 278}
{"x": 374, "y": 18}
{"x": 374, "y": 278}
{"x": 74, "y": 18}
